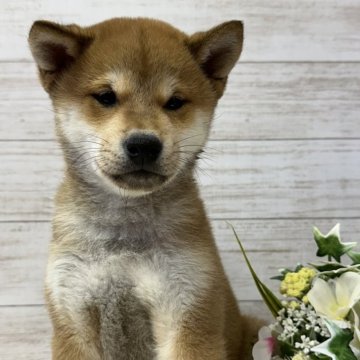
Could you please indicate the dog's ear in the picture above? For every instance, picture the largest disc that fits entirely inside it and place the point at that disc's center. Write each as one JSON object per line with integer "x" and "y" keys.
{"x": 55, "y": 47}
{"x": 217, "y": 51}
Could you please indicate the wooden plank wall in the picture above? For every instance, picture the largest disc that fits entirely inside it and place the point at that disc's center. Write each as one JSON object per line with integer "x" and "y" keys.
{"x": 284, "y": 149}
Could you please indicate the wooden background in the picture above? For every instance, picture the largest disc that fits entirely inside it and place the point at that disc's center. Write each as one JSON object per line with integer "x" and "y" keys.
{"x": 285, "y": 147}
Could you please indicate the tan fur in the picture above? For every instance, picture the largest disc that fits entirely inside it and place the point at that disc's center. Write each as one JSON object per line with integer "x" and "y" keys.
{"x": 133, "y": 269}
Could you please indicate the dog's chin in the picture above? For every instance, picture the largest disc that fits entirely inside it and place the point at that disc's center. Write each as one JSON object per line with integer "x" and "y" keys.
{"x": 138, "y": 182}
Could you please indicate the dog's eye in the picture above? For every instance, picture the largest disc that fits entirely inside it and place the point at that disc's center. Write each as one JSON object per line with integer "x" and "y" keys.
{"x": 174, "y": 103}
{"x": 106, "y": 98}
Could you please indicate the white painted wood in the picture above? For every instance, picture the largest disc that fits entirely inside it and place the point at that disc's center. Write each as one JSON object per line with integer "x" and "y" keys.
{"x": 23, "y": 256}
{"x": 272, "y": 179}
{"x": 25, "y": 332}
{"x": 284, "y": 30}
{"x": 273, "y": 188}
{"x": 262, "y": 101}
{"x": 270, "y": 244}
{"x": 246, "y": 179}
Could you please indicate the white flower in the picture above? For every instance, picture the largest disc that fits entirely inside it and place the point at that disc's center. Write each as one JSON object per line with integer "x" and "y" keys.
{"x": 306, "y": 344}
{"x": 335, "y": 298}
{"x": 264, "y": 348}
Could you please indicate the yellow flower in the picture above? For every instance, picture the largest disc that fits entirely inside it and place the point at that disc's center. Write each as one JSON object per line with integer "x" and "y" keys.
{"x": 292, "y": 278}
{"x": 307, "y": 273}
{"x": 293, "y": 292}
{"x": 335, "y": 298}
{"x": 293, "y": 305}
{"x": 300, "y": 356}
{"x": 295, "y": 284}
{"x": 305, "y": 299}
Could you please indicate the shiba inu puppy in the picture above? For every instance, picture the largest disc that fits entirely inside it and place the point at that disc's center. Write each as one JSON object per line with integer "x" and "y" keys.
{"x": 133, "y": 270}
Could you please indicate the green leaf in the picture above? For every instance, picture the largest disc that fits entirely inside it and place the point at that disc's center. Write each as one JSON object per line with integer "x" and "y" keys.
{"x": 272, "y": 302}
{"x": 279, "y": 277}
{"x": 282, "y": 275}
{"x": 328, "y": 266}
{"x": 319, "y": 357}
{"x": 285, "y": 348}
{"x": 298, "y": 267}
{"x": 337, "y": 347}
{"x": 331, "y": 274}
{"x": 330, "y": 244}
{"x": 354, "y": 256}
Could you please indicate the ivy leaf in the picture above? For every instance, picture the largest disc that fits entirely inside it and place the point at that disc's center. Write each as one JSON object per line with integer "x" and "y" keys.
{"x": 337, "y": 347}
{"x": 354, "y": 256}
{"x": 331, "y": 244}
{"x": 331, "y": 274}
{"x": 329, "y": 266}
{"x": 318, "y": 357}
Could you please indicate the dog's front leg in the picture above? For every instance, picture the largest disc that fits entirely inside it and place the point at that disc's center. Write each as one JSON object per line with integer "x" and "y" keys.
{"x": 187, "y": 345}
{"x": 66, "y": 347}
{"x": 198, "y": 334}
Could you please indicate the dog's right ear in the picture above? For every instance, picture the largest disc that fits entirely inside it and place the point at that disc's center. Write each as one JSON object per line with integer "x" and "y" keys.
{"x": 217, "y": 51}
{"x": 55, "y": 47}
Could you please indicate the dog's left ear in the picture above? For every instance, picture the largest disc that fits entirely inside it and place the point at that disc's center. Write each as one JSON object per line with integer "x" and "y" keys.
{"x": 55, "y": 47}
{"x": 217, "y": 51}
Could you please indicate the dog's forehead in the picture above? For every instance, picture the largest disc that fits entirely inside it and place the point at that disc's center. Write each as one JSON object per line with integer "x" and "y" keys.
{"x": 139, "y": 44}
{"x": 137, "y": 27}
{"x": 129, "y": 53}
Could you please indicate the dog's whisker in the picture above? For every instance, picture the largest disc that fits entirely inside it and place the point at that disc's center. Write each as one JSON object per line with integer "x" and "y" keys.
{"x": 187, "y": 138}
{"x": 99, "y": 152}
{"x": 198, "y": 168}
{"x": 86, "y": 141}
{"x": 205, "y": 157}
{"x": 88, "y": 161}
{"x": 187, "y": 145}
{"x": 184, "y": 152}
{"x": 204, "y": 148}
{"x": 83, "y": 155}
{"x": 98, "y": 137}
{"x": 77, "y": 148}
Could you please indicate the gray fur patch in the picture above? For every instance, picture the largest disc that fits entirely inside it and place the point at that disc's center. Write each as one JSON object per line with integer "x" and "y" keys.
{"x": 125, "y": 327}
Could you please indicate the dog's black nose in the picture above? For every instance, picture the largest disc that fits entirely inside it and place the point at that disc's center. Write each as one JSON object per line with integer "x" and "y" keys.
{"x": 142, "y": 149}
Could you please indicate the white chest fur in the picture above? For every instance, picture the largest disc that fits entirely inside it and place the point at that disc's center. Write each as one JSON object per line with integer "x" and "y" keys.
{"x": 161, "y": 283}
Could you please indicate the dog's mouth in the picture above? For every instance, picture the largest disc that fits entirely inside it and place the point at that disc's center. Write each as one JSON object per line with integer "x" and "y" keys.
{"x": 139, "y": 179}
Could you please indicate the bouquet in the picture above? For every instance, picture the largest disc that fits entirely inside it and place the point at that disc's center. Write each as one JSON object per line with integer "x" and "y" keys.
{"x": 317, "y": 315}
